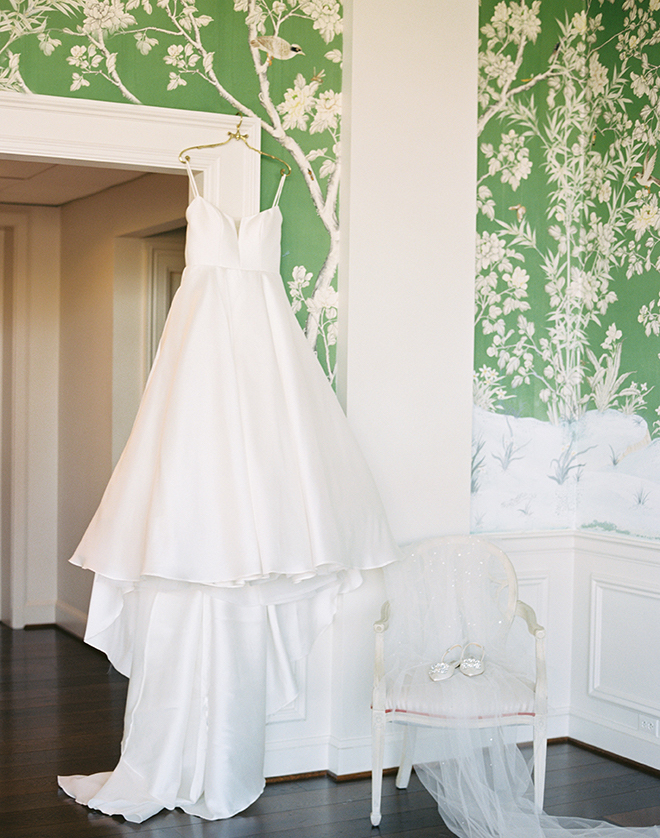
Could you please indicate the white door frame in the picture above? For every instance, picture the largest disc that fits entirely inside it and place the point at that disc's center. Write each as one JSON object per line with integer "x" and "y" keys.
{"x": 61, "y": 130}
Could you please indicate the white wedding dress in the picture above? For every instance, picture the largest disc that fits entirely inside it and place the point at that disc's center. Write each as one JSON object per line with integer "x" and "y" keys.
{"x": 239, "y": 510}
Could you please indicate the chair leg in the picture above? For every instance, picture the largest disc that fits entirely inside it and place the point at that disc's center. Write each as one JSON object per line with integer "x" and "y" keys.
{"x": 405, "y": 766}
{"x": 540, "y": 752}
{"x": 377, "y": 752}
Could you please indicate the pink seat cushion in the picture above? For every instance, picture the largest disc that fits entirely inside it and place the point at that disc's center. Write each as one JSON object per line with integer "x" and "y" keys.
{"x": 495, "y": 693}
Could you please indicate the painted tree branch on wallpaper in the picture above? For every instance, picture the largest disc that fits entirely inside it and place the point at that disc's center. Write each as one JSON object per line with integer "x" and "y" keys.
{"x": 180, "y": 31}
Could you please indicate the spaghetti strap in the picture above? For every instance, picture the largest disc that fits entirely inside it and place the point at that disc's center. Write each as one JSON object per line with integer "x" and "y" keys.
{"x": 191, "y": 177}
{"x": 279, "y": 189}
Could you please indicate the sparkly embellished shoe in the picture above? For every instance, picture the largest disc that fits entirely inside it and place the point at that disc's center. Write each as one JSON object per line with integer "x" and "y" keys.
{"x": 445, "y": 669}
{"x": 471, "y": 664}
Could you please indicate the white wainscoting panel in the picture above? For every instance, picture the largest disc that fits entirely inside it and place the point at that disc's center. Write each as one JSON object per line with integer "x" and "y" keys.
{"x": 616, "y": 620}
{"x": 625, "y": 637}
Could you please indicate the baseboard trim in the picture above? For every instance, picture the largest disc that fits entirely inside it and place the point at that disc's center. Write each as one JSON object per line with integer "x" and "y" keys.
{"x": 631, "y": 763}
{"x": 71, "y": 619}
{"x": 292, "y": 778}
{"x": 557, "y": 740}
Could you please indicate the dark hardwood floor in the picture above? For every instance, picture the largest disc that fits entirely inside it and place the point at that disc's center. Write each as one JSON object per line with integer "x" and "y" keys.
{"x": 61, "y": 710}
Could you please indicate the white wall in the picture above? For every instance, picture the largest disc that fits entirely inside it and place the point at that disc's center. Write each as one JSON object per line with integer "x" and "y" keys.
{"x": 30, "y": 303}
{"x": 89, "y": 229}
{"x": 406, "y": 286}
{"x": 408, "y": 227}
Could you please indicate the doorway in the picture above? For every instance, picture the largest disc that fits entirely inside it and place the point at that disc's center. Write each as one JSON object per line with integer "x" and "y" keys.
{"x": 45, "y": 372}
{"x": 56, "y": 270}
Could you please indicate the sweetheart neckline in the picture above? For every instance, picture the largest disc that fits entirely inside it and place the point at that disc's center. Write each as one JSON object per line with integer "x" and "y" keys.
{"x": 236, "y": 222}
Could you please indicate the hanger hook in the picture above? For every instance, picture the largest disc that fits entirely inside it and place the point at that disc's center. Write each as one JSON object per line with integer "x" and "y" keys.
{"x": 236, "y": 135}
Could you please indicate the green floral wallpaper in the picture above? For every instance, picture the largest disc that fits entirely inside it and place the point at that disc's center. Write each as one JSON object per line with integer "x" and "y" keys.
{"x": 567, "y": 337}
{"x": 277, "y": 59}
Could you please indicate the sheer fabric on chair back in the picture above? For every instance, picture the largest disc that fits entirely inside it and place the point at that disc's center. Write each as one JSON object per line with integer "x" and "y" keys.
{"x": 449, "y": 592}
{"x": 456, "y": 591}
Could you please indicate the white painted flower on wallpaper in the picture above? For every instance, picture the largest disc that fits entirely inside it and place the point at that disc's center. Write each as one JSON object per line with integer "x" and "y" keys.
{"x": 105, "y": 17}
{"x": 491, "y": 250}
{"x": 326, "y": 15}
{"x": 511, "y": 161}
{"x": 514, "y": 22}
{"x": 597, "y": 75}
{"x": 499, "y": 67}
{"x": 649, "y": 317}
{"x": 579, "y": 22}
{"x": 328, "y": 112}
{"x": 612, "y": 336}
{"x": 299, "y": 102}
{"x": 323, "y": 302}
{"x": 297, "y": 285}
{"x": 645, "y": 217}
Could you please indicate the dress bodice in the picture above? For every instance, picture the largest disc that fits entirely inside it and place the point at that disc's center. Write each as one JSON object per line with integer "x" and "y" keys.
{"x": 215, "y": 238}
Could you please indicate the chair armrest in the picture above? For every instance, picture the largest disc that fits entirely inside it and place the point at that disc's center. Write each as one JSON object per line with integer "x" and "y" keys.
{"x": 541, "y": 689}
{"x": 383, "y": 624}
{"x": 380, "y": 627}
{"x": 527, "y": 613}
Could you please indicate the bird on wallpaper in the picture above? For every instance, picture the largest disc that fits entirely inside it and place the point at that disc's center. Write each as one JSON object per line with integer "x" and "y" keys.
{"x": 645, "y": 177}
{"x": 520, "y": 211}
{"x": 276, "y": 47}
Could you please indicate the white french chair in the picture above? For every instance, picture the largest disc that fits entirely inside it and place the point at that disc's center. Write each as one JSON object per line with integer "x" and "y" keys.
{"x": 448, "y": 571}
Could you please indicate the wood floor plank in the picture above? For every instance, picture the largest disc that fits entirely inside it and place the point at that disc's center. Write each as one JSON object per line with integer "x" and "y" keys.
{"x": 638, "y": 817}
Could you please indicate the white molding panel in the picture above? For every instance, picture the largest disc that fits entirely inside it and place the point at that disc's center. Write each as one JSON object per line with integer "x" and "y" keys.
{"x": 625, "y": 637}
{"x": 616, "y": 615}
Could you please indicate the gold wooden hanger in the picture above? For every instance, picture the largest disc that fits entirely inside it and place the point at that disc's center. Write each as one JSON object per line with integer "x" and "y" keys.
{"x": 235, "y": 135}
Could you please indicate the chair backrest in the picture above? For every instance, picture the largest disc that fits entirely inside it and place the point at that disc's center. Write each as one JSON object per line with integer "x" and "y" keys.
{"x": 450, "y": 590}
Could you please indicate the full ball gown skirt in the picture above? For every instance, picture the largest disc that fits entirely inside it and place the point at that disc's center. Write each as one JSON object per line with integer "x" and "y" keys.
{"x": 239, "y": 510}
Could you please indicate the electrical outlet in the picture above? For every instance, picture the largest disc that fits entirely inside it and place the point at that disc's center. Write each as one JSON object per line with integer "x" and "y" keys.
{"x": 648, "y": 724}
